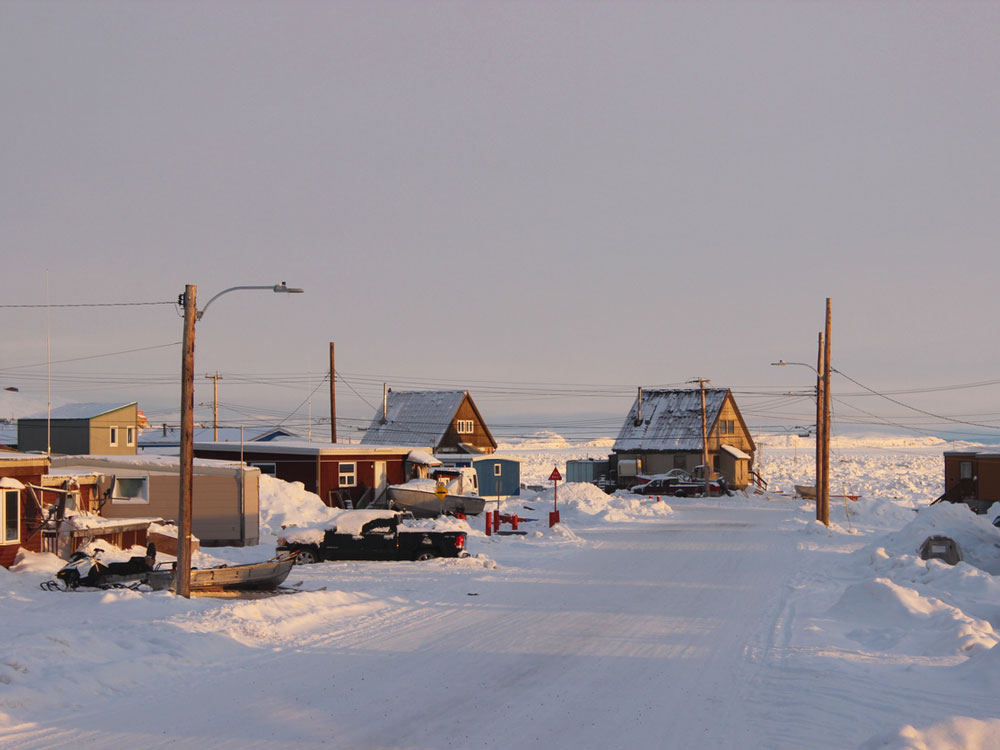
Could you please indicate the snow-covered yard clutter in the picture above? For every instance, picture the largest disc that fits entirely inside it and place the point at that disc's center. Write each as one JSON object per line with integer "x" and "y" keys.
{"x": 717, "y": 622}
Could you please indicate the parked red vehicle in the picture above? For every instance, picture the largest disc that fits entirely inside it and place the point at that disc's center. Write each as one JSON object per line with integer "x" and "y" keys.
{"x": 679, "y": 484}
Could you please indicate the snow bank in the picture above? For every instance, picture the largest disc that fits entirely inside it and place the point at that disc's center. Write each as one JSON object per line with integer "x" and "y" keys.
{"x": 957, "y": 732}
{"x": 289, "y": 503}
{"x": 582, "y": 501}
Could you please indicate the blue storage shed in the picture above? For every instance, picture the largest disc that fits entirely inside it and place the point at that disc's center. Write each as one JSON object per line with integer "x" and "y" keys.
{"x": 498, "y": 476}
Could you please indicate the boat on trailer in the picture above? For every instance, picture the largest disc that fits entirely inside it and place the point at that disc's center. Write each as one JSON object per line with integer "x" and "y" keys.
{"x": 423, "y": 503}
{"x": 262, "y": 576}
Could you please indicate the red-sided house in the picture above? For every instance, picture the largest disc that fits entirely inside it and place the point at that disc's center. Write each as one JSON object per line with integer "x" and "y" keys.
{"x": 19, "y": 515}
{"x": 342, "y": 475}
{"x": 973, "y": 478}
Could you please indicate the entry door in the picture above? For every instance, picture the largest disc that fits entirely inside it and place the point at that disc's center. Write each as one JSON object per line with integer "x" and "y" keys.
{"x": 381, "y": 482}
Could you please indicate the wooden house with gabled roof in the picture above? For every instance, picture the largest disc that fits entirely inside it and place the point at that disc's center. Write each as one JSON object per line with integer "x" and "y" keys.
{"x": 449, "y": 421}
{"x": 663, "y": 431}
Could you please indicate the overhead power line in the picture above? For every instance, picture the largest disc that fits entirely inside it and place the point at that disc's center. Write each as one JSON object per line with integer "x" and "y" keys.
{"x": 913, "y": 408}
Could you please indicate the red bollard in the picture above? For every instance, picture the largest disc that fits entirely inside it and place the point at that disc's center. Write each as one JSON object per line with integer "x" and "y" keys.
{"x": 496, "y": 521}
{"x": 489, "y": 523}
{"x": 513, "y": 522}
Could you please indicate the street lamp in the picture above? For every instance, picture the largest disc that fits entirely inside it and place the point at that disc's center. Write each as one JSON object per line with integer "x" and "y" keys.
{"x": 182, "y": 584}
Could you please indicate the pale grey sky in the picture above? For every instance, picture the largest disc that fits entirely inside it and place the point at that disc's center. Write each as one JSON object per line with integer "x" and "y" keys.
{"x": 491, "y": 195}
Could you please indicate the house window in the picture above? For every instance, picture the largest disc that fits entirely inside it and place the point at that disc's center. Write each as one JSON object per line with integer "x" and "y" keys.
{"x": 464, "y": 426}
{"x": 348, "y": 474}
{"x": 497, "y": 470}
{"x": 727, "y": 427}
{"x": 130, "y": 436}
{"x": 965, "y": 470}
{"x": 130, "y": 491}
{"x": 269, "y": 469}
{"x": 114, "y": 436}
{"x": 10, "y": 517}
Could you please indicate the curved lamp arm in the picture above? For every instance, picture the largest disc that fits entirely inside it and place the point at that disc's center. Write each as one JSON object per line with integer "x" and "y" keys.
{"x": 278, "y": 288}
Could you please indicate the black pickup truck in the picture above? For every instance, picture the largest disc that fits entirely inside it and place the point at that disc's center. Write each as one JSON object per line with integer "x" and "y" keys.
{"x": 359, "y": 536}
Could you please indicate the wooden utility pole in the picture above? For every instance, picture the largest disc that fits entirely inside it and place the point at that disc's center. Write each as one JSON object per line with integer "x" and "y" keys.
{"x": 704, "y": 437}
{"x": 333, "y": 399}
{"x": 819, "y": 429}
{"x": 215, "y": 404}
{"x": 826, "y": 417}
{"x": 182, "y": 583}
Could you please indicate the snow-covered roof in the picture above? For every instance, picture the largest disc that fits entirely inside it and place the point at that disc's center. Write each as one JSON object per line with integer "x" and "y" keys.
{"x": 418, "y": 417}
{"x": 82, "y": 411}
{"x": 9, "y": 483}
{"x": 153, "y": 436}
{"x": 307, "y": 447}
{"x": 147, "y": 463}
{"x": 19, "y": 456}
{"x": 422, "y": 457}
{"x": 735, "y": 452}
{"x": 671, "y": 420}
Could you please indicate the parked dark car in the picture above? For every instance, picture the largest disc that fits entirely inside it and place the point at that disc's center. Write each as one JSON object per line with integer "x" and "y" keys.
{"x": 384, "y": 537}
{"x": 681, "y": 486}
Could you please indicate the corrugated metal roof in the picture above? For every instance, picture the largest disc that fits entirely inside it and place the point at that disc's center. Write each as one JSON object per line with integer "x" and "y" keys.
{"x": 671, "y": 420}
{"x": 414, "y": 418}
{"x": 82, "y": 411}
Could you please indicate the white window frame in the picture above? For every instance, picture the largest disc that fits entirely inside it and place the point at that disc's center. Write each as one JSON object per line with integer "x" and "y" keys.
{"x": 465, "y": 426}
{"x": 142, "y": 498}
{"x": 129, "y": 436}
{"x": 498, "y": 470}
{"x": 347, "y": 474}
{"x": 5, "y": 495}
{"x": 113, "y": 435}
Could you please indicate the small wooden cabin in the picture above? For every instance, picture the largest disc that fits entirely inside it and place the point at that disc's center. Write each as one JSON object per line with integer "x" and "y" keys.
{"x": 663, "y": 431}
{"x": 973, "y": 478}
{"x": 448, "y": 421}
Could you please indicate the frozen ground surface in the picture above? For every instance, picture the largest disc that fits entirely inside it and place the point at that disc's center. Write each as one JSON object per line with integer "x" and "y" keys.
{"x": 726, "y": 623}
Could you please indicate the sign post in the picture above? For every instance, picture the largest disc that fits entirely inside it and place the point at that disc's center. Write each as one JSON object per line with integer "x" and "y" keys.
{"x": 554, "y": 477}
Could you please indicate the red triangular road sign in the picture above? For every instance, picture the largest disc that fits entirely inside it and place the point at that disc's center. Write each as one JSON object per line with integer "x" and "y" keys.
{"x": 555, "y": 476}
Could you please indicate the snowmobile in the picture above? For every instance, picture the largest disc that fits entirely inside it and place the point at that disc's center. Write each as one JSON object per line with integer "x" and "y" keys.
{"x": 87, "y": 569}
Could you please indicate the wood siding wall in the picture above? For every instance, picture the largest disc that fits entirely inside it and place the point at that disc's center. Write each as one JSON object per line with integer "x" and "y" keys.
{"x": 29, "y": 472}
{"x": 478, "y": 437}
{"x": 739, "y": 439}
{"x": 985, "y": 471}
{"x": 395, "y": 470}
{"x": 100, "y": 433}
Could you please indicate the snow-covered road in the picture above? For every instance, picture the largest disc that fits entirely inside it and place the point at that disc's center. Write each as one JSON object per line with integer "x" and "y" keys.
{"x": 643, "y": 636}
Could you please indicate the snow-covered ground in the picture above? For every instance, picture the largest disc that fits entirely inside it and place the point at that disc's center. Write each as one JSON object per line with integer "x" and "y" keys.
{"x": 735, "y": 622}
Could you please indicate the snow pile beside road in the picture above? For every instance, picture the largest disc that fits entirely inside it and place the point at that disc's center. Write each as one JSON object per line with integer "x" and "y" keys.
{"x": 580, "y": 501}
{"x": 957, "y": 732}
{"x": 287, "y": 504}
